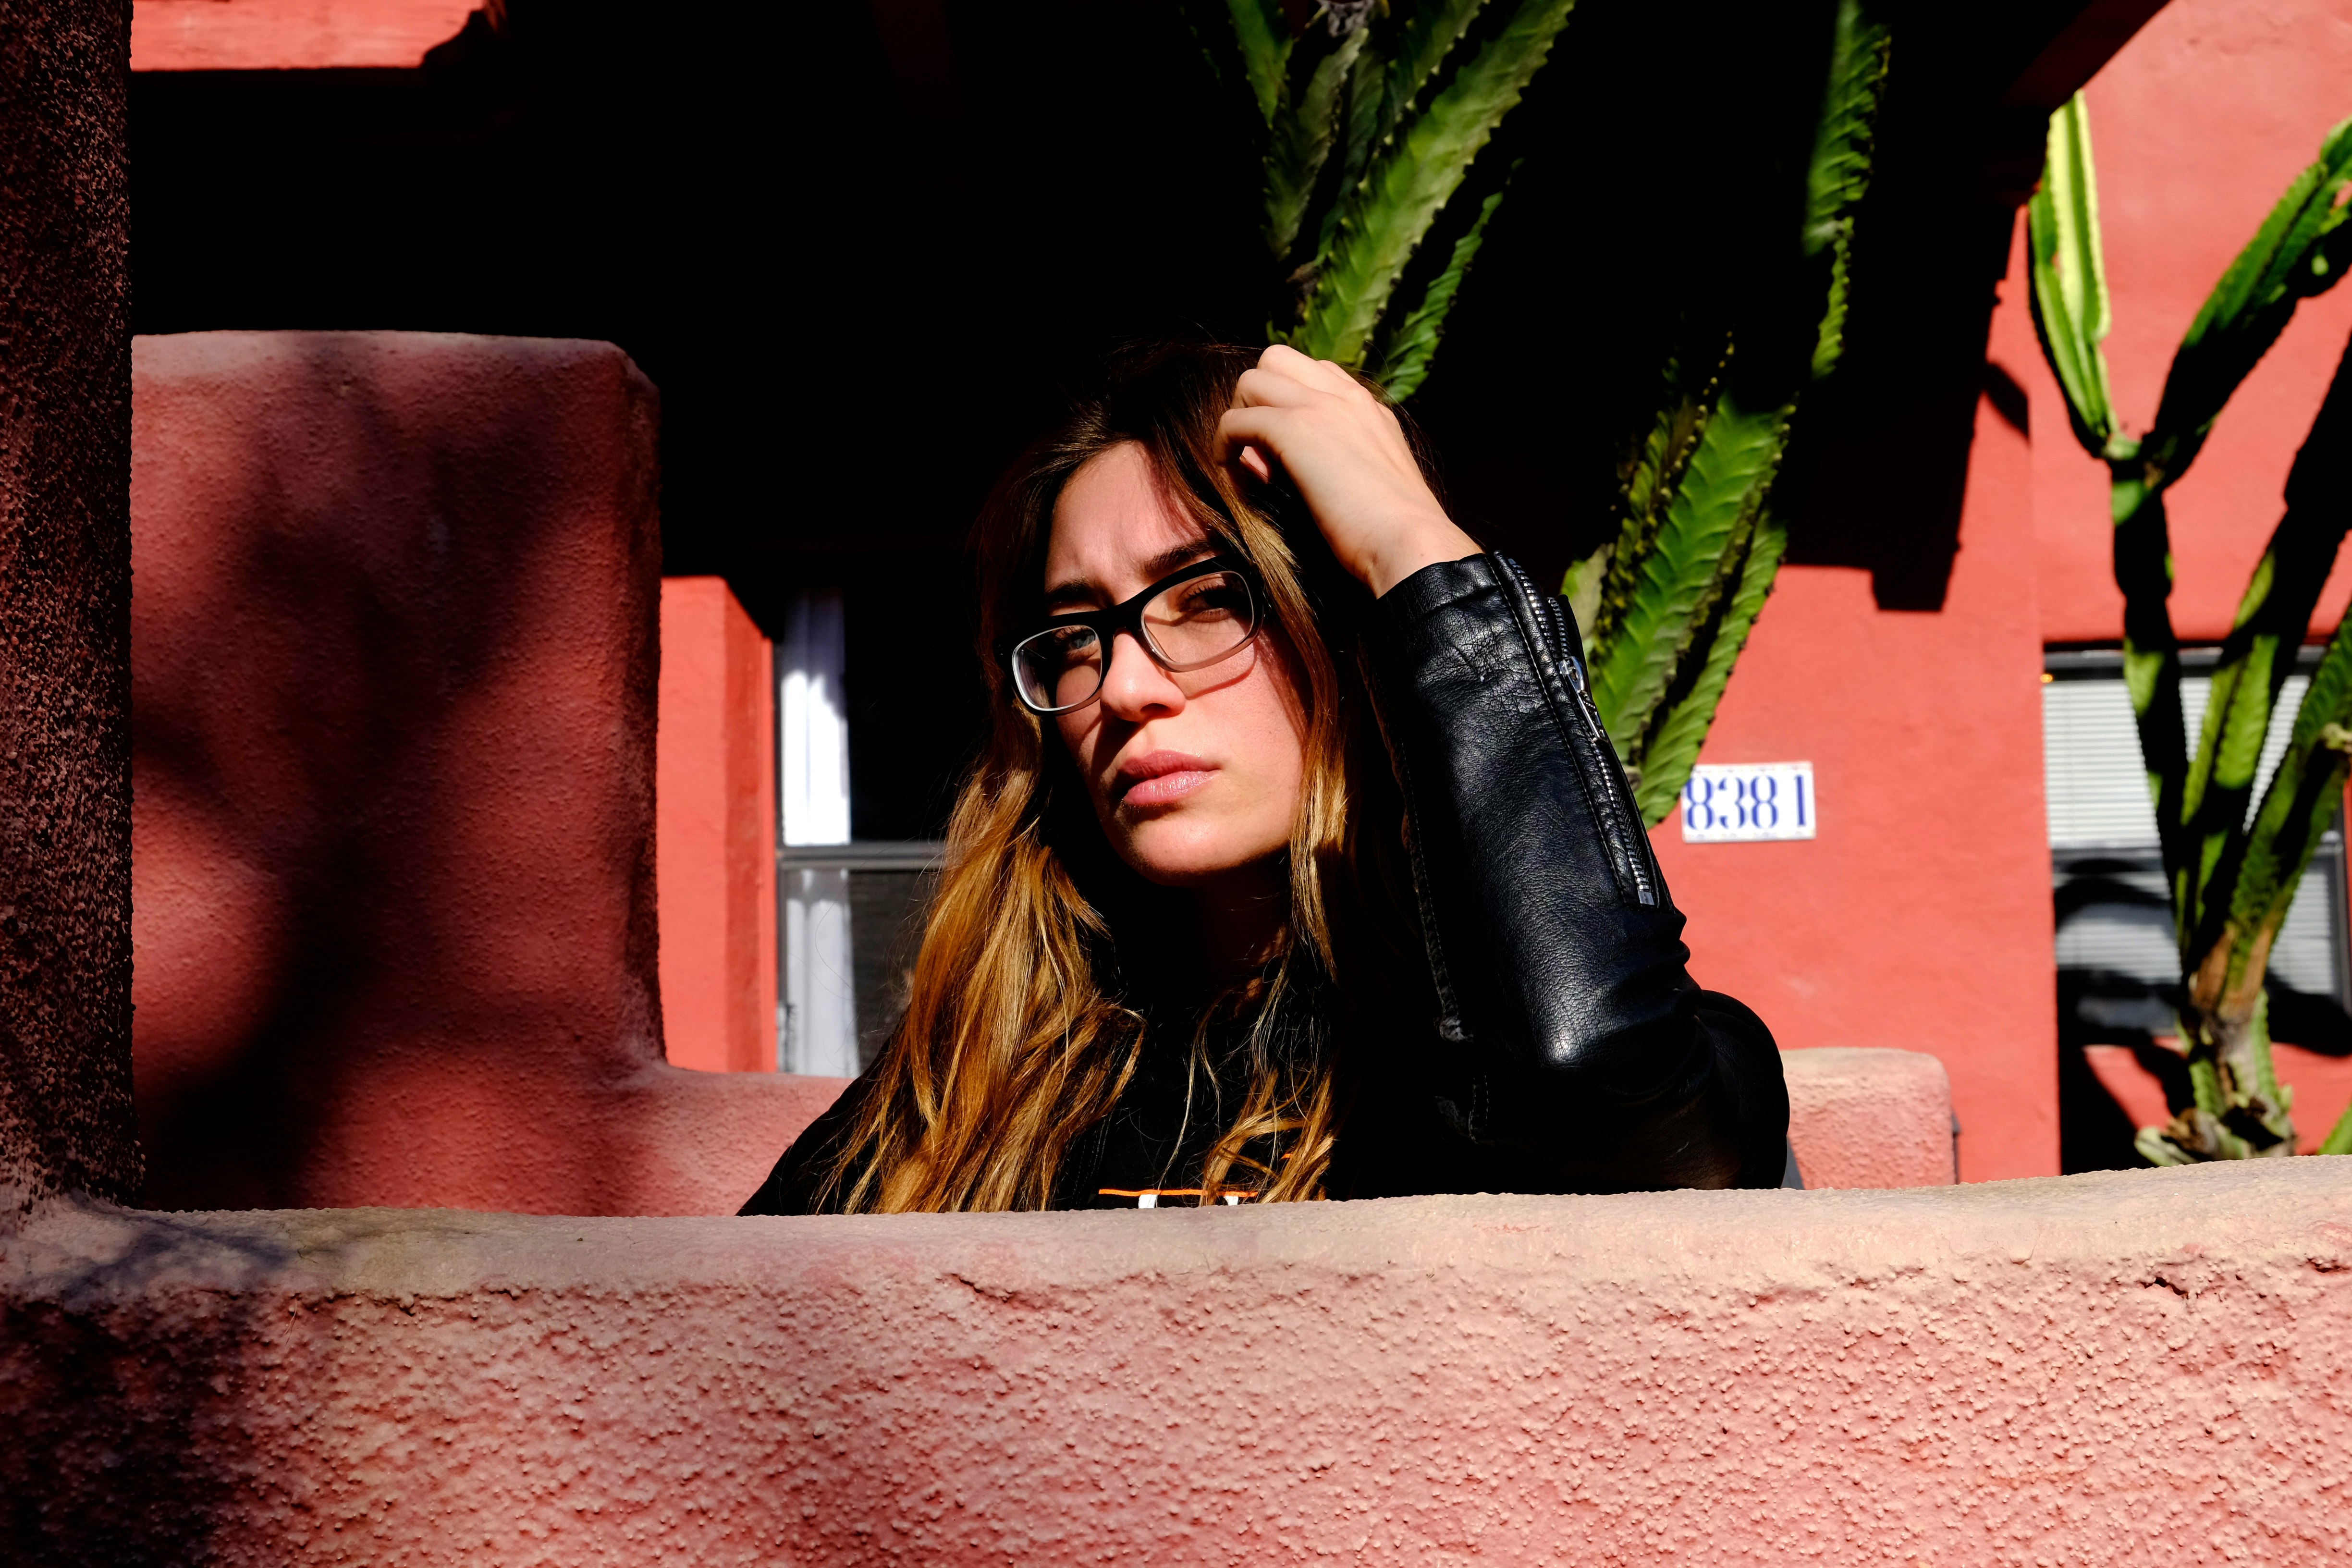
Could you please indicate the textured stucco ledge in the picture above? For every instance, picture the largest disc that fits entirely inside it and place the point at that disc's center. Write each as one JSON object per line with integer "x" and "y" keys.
{"x": 2129, "y": 1368}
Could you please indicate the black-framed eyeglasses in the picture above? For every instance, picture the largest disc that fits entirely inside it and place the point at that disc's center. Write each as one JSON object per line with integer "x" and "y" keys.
{"x": 1187, "y": 620}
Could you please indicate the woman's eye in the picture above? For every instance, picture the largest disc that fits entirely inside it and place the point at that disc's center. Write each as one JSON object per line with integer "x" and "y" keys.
{"x": 1065, "y": 645}
{"x": 1217, "y": 599}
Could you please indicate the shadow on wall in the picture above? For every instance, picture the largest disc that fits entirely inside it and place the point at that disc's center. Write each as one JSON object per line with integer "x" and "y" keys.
{"x": 393, "y": 652}
{"x": 110, "y": 1462}
{"x": 2095, "y": 1127}
{"x": 2119, "y": 1017}
{"x": 1538, "y": 391}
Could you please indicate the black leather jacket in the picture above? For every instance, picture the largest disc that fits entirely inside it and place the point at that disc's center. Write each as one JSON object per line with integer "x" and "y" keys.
{"x": 1571, "y": 1051}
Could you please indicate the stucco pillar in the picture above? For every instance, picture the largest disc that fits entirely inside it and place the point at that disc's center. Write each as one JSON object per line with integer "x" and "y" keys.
{"x": 64, "y": 587}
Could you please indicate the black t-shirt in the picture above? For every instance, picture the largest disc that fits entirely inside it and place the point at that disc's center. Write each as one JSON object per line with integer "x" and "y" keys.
{"x": 1399, "y": 1132}
{"x": 1152, "y": 1150}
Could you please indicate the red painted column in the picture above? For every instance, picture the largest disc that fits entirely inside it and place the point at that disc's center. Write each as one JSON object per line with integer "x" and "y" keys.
{"x": 65, "y": 590}
{"x": 1920, "y": 916}
{"x": 714, "y": 831}
{"x": 394, "y": 653}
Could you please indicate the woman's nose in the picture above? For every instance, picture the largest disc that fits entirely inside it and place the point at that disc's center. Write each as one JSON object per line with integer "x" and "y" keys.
{"x": 1134, "y": 687}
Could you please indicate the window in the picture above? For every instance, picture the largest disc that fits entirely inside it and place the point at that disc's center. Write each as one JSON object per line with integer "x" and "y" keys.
{"x": 816, "y": 1023}
{"x": 850, "y": 908}
{"x": 2117, "y": 967}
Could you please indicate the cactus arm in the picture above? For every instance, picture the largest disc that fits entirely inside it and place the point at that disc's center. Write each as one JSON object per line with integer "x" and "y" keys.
{"x": 1652, "y": 480}
{"x": 2220, "y": 774}
{"x": 1382, "y": 90}
{"x": 1428, "y": 36}
{"x": 2297, "y": 807}
{"x": 1685, "y": 568}
{"x": 1401, "y": 361}
{"x": 1412, "y": 179}
{"x": 1829, "y": 343}
{"x": 2143, "y": 563}
{"x": 1304, "y": 125}
{"x": 2339, "y": 1137}
{"x": 1698, "y": 548}
{"x": 2245, "y": 908}
{"x": 1362, "y": 131}
{"x": 2300, "y": 250}
{"x": 2069, "y": 296}
{"x": 1671, "y": 750}
{"x": 1838, "y": 174}
{"x": 1262, "y": 36}
{"x": 1581, "y": 586}
{"x": 2242, "y": 1109}
{"x": 1356, "y": 167}
{"x": 2260, "y": 651}
{"x": 2069, "y": 299}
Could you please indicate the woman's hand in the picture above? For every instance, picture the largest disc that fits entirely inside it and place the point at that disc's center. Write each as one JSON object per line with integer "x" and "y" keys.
{"x": 1346, "y": 454}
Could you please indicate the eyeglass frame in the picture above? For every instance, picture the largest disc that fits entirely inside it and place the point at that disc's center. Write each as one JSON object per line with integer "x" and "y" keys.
{"x": 1128, "y": 616}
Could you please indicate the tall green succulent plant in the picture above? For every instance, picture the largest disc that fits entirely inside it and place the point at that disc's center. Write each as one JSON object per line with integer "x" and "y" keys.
{"x": 2231, "y": 876}
{"x": 1668, "y": 605}
{"x": 1372, "y": 120}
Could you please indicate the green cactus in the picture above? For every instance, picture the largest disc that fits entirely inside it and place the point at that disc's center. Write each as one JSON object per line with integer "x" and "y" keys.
{"x": 2231, "y": 880}
{"x": 1668, "y": 603}
{"x": 1368, "y": 137}
{"x": 1372, "y": 121}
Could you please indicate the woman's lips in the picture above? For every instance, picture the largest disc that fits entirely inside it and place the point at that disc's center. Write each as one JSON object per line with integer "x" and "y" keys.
{"x": 1161, "y": 778}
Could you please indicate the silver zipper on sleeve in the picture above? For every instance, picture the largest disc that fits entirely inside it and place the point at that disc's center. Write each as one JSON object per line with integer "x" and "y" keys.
{"x": 1608, "y": 785}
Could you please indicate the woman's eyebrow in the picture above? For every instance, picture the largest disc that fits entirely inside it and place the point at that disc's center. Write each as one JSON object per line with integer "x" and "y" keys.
{"x": 1178, "y": 557}
{"x": 1175, "y": 558}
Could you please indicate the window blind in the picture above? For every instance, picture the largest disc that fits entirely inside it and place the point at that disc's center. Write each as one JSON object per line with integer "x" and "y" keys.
{"x": 2090, "y": 752}
{"x": 2114, "y": 917}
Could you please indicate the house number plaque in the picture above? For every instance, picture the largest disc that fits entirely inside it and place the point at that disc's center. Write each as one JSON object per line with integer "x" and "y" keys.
{"x": 1746, "y": 802}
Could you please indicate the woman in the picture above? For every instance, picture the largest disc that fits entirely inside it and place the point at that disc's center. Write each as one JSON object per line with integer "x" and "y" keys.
{"x": 1298, "y": 865}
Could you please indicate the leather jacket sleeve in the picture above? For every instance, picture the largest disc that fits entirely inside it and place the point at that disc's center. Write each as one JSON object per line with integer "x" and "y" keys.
{"x": 1568, "y": 1032}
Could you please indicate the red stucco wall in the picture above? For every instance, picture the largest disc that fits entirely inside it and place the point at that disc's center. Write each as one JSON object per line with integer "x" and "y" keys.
{"x": 2131, "y": 1369}
{"x": 715, "y": 831}
{"x": 393, "y": 656}
{"x": 65, "y": 589}
{"x": 1861, "y": 1118}
{"x": 1919, "y": 918}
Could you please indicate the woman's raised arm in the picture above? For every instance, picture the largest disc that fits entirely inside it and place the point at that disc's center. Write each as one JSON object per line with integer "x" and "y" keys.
{"x": 1345, "y": 451}
{"x": 1569, "y": 1031}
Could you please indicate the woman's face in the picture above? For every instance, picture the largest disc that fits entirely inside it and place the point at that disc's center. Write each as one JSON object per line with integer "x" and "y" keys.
{"x": 1195, "y": 775}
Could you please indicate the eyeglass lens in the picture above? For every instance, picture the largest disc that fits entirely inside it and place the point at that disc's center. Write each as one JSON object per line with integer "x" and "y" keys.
{"x": 1190, "y": 624}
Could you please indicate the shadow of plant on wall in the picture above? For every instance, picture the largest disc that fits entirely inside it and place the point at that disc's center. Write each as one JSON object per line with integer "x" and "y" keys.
{"x": 393, "y": 657}
{"x": 341, "y": 608}
{"x": 111, "y": 1458}
{"x": 2231, "y": 865}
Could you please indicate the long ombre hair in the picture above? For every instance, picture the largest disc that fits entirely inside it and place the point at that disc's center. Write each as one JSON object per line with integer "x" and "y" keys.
{"x": 1024, "y": 1023}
